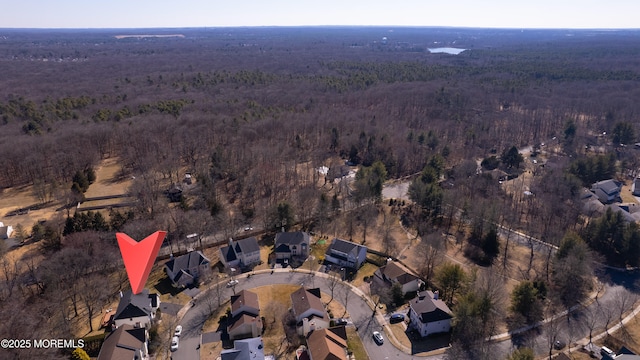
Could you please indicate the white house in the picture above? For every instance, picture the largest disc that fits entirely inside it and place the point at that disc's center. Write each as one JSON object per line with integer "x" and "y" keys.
{"x": 395, "y": 273}
{"x": 429, "y": 315}
{"x": 137, "y": 310}
{"x": 5, "y": 231}
{"x": 308, "y": 310}
{"x": 240, "y": 253}
{"x": 346, "y": 253}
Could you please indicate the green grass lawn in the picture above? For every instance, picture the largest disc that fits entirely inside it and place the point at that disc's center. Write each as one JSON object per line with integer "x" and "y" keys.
{"x": 354, "y": 344}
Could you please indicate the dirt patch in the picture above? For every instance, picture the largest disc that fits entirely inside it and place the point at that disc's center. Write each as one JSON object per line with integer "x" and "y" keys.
{"x": 22, "y": 197}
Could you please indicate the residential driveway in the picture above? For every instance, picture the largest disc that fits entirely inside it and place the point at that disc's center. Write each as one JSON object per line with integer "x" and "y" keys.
{"x": 211, "y": 337}
{"x": 170, "y": 308}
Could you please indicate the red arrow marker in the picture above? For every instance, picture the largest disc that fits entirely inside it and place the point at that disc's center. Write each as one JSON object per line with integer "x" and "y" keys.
{"x": 139, "y": 257}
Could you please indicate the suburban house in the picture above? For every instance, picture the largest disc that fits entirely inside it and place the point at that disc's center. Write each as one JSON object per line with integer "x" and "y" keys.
{"x": 187, "y": 269}
{"x": 5, "y": 231}
{"x": 429, "y": 315}
{"x": 137, "y": 310}
{"x": 240, "y": 253}
{"x": 308, "y": 310}
{"x": 346, "y": 253}
{"x": 126, "y": 342}
{"x": 325, "y": 344}
{"x": 635, "y": 188}
{"x": 245, "y": 319}
{"x": 395, "y": 273}
{"x": 290, "y": 245}
{"x": 245, "y": 349}
{"x": 607, "y": 191}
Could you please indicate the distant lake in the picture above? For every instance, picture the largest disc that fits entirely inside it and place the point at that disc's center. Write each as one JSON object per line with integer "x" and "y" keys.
{"x": 446, "y": 50}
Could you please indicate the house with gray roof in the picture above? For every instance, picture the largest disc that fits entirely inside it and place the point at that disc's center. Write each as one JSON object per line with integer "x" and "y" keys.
{"x": 635, "y": 187}
{"x": 126, "y": 342}
{"x": 429, "y": 315}
{"x": 246, "y": 349}
{"x": 290, "y": 245}
{"x": 137, "y": 310}
{"x": 607, "y": 191}
{"x": 187, "y": 269}
{"x": 346, "y": 253}
{"x": 243, "y": 253}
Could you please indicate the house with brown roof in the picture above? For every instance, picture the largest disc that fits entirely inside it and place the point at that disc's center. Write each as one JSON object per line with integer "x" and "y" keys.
{"x": 325, "y": 344}
{"x": 429, "y": 315}
{"x": 245, "y": 319}
{"x": 395, "y": 273}
{"x": 308, "y": 310}
{"x": 126, "y": 342}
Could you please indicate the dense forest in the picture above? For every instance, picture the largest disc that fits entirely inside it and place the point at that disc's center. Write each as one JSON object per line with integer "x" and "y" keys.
{"x": 252, "y": 112}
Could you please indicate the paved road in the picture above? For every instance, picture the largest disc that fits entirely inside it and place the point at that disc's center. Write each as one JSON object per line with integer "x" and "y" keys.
{"x": 360, "y": 312}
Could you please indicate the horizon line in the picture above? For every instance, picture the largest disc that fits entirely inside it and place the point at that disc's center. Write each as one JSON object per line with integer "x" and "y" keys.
{"x": 326, "y": 26}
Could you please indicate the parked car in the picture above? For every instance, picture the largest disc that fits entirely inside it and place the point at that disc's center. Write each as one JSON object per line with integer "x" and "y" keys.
{"x": 377, "y": 337}
{"x": 396, "y": 318}
{"x": 340, "y": 321}
{"x": 174, "y": 343}
{"x": 559, "y": 344}
{"x": 233, "y": 282}
{"x": 178, "y": 331}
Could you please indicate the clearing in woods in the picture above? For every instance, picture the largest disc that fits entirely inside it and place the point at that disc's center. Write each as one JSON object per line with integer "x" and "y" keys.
{"x": 107, "y": 183}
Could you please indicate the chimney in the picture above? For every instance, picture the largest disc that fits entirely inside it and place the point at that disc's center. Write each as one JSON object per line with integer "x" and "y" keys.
{"x": 230, "y": 241}
{"x": 436, "y": 294}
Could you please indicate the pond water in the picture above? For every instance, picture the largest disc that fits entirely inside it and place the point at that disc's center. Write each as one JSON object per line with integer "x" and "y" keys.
{"x": 446, "y": 50}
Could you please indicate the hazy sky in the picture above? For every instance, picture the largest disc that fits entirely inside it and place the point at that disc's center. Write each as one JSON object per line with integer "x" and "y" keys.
{"x": 214, "y": 13}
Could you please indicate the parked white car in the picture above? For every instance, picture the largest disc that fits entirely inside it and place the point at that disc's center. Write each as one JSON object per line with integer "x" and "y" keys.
{"x": 174, "y": 343}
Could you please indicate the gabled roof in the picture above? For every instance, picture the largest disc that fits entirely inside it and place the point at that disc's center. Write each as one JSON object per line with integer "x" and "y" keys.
{"x": 326, "y": 345}
{"x": 135, "y": 305}
{"x": 247, "y": 245}
{"x": 430, "y": 309}
{"x": 344, "y": 246}
{"x": 397, "y": 272}
{"x": 245, "y": 349}
{"x": 183, "y": 264}
{"x": 244, "y": 298}
{"x": 303, "y": 300}
{"x": 243, "y": 319}
{"x": 609, "y": 187}
{"x": 228, "y": 254}
{"x": 282, "y": 248}
{"x": 122, "y": 343}
{"x": 292, "y": 238}
{"x": 187, "y": 261}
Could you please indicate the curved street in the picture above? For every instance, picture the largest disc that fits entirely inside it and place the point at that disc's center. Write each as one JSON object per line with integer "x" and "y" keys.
{"x": 569, "y": 329}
